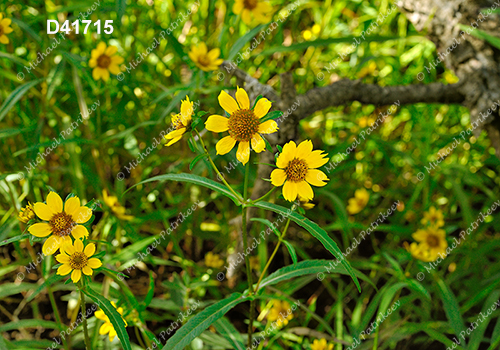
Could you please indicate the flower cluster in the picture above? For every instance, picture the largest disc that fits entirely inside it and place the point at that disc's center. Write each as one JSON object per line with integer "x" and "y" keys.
{"x": 431, "y": 239}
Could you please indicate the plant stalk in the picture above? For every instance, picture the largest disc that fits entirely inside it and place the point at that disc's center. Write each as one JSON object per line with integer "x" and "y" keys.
{"x": 85, "y": 328}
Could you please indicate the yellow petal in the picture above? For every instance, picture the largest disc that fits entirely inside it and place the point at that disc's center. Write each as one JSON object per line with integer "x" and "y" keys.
{"x": 51, "y": 245}
{"x": 258, "y": 143}
{"x": 82, "y": 215}
{"x": 101, "y": 47}
{"x": 315, "y": 159}
{"x": 242, "y": 98}
{"x": 55, "y": 202}
{"x": 213, "y": 54}
{"x": 238, "y": 6}
{"x": 105, "y": 328}
{"x": 216, "y": 123}
{"x": 304, "y": 149}
{"x": 268, "y": 127}
{"x": 78, "y": 245}
{"x": 225, "y": 145}
{"x": 4, "y": 39}
{"x": 278, "y": 176}
{"x": 202, "y": 48}
{"x": 174, "y": 140}
{"x": 305, "y": 190}
{"x": 72, "y": 205}
{"x": 175, "y": 134}
{"x": 64, "y": 269}
{"x": 227, "y": 102}
{"x": 94, "y": 263}
{"x": 43, "y": 211}
{"x": 89, "y": 250}
{"x": 99, "y": 314}
{"x": 112, "y": 334}
{"x": 62, "y": 258}
{"x": 246, "y": 17}
{"x": 111, "y": 50}
{"x": 93, "y": 63}
{"x": 40, "y": 229}
{"x": 96, "y": 73}
{"x": 262, "y": 107}
{"x": 243, "y": 152}
{"x": 117, "y": 60}
{"x": 287, "y": 155}
{"x": 76, "y": 275}
{"x": 79, "y": 231}
{"x": 87, "y": 270}
{"x": 114, "y": 69}
{"x": 290, "y": 191}
{"x": 316, "y": 177}
{"x": 105, "y": 75}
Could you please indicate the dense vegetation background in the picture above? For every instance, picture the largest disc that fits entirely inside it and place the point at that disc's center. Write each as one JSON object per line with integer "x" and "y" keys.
{"x": 63, "y": 130}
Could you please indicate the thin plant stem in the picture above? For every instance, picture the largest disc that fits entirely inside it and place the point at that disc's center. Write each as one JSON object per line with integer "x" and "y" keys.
{"x": 215, "y": 167}
{"x": 85, "y": 328}
{"x": 264, "y": 196}
{"x": 272, "y": 255}
{"x": 56, "y": 312}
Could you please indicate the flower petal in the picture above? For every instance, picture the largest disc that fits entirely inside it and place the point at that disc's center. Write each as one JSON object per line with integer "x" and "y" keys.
{"x": 216, "y": 123}
{"x": 213, "y": 54}
{"x": 305, "y": 190}
{"x": 94, "y": 263}
{"x": 62, "y": 258}
{"x": 262, "y": 107}
{"x": 82, "y": 215}
{"x": 110, "y": 50}
{"x": 72, "y": 205}
{"x": 76, "y": 275}
{"x": 316, "y": 177}
{"x": 43, "y": 211}
{"x": 174, "y": 140}
{"x": 243, "y": 152}
{"x": 40, "y": 229}
{"x": 304, "y": 149}
{"x": 87, "y": 270}
{"x": 51, "y": 245}
{"x": 287, "y": 155}
{"x": 64, "y": 269}
{"x": 176, "y": 133}
{"x": 268, "y": 127}
{"x": 315, "y": 159}
{"x": 225, "y": 145}
{"x": 78, "y": 245}
{"x": 89, "y": 250}
{"x": 79, "y": 231}
{"x": 278, "y": 176}
{"x": 242, "y": 98}
{"x": 227, "y": 102}
{"x": 114, "y": 69}
{"x": 258, "y": 143}
{"x": 105, "y": 75}
{"x": 290, "y": 191}
{"x": 55, "y": 202}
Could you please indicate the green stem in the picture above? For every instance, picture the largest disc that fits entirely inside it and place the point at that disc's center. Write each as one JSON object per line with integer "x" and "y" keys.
{"x": 216, "y": 169}
{"x": 272, "y": 255}
{"x": 85, "y": 328}
{"x": 56, "y": 313}
{"x": 264, "y": 196}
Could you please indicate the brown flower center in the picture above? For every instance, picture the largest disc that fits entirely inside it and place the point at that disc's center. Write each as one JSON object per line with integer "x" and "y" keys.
{"x": 104, "y": 61}
{"x": 243, "y": 124}
{"x": 204, "y": 60}
{"x": 250, "y": 4}
{"x": 78, "y": 260}
{"x": 296, "y": 170}
{"x": 432, "y": 241}
{"x": 62, "y": 224}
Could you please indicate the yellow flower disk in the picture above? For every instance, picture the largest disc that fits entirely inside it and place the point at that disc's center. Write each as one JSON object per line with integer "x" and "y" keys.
{"x": 260, "y": 10}
{"x": 77, "y": 259}
{"x": 104, "y": 61}
{"x": 204, "y": 59}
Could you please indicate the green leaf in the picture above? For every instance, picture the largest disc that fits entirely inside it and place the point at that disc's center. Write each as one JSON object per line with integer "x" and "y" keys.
{"x": 451, "y": 308}
{"x": 14, "y": 239}
{"x": 268, "y": 224}
{"x": 228, "y": 331}
{"x": 113, "y": 315}
{"x": 493, "y": 40}
{"x": 314, "y": 229}
{"x": 16, "y": 96}
{"x": 291, "y": 250}
{"x": 306, "y": 267}
{"x": 268, "y": 145}
{"x": 194, "y": 179}
{"x": 33, "y": 323}
{"x": 272, "y": 115}
{"x": 151, "y": 291}
{"x": 196, "y": 325}
{"x": 196, "y": 159}
{"x": 241, "y": 42}
{"x": 121, "y": 6}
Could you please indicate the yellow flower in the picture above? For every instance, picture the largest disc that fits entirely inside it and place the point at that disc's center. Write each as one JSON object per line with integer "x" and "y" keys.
{"x": 213, "y": 260}
{"x": 433, "y": 217}
{"x": 76, "y": 260}
{"x": 243, "y": 124}
{"x": 27, "y": 213}
{"x": 432, "y": 239}
{"x": 358, "y": 202}
{"x": 60, "y": 223}
{"x": 280, "y": 312}
{"x": 116, "y": 208}
{"x": 305, "y": 203}
{"x": 204, "y": 59}
{"x": 5, "y": 29}
{"x": 104, "y": 61}
{"x": 419, "y": 252}
{"x": 298, "y": 170}
{"x": 321, "y": 345}
{"x": 181, "y": 122}
{"x": 107, "y": 327}
{"x": 259, "y": 9}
